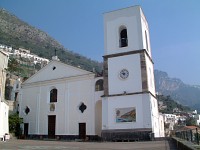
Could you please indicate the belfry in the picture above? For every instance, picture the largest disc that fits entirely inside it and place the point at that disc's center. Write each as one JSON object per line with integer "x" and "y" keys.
{"x": 129, "y": 105}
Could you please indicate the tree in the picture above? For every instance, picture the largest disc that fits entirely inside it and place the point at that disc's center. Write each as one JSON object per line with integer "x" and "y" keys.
{"x": 14, "y": 124}
{"x": 190, "y": 121}
{"x": 13, "y": 65}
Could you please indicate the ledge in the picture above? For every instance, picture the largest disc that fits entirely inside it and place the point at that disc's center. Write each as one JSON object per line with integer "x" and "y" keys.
{"x": 185, "y": 145}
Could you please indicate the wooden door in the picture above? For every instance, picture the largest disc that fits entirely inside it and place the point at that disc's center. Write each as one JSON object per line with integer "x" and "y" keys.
{"x": 51, "y": 126}
{"x": 26, "y": 130}
{"x": 82, "y": 130}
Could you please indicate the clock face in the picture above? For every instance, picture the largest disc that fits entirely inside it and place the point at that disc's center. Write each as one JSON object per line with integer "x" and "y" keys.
{"x": 124, "y": 74}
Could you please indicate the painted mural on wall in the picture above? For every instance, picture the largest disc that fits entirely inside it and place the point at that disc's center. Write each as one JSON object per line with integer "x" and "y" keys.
{"x": 125, "y": 114}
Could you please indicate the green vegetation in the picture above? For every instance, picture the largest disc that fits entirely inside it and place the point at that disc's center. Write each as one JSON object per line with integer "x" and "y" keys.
{"x": 23, "y": 70}
{"x": 190, "y": 121}
{"x": 19, "y": 34}
{"x": 171, "y": 104}
{"x": 13, "y": 65}
{"x": 14, "y": 124}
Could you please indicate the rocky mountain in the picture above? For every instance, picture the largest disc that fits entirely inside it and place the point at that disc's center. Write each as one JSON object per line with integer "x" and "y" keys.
{"x": 17, "y": 33}
{"x": 188, "y": 95}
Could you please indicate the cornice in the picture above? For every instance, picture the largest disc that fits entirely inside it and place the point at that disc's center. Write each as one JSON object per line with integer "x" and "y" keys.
{"x": 128, "y": 53}
{"x": 70, "y": 79}
{"x": 134, "y": 93}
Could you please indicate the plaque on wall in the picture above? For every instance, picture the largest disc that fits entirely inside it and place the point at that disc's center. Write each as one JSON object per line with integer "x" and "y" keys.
{"x": 52, "y": 107}
{"x": 125, "y": 114}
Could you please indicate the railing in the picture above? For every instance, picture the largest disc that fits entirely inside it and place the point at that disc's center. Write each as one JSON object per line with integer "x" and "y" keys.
{"x": 191, "y": 135}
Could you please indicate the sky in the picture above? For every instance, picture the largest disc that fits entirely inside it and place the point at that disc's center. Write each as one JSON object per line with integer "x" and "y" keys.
{"x": 78, "y": 25}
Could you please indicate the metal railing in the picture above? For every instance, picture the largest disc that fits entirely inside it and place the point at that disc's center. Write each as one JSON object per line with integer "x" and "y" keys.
{"x": 191, "y": 135}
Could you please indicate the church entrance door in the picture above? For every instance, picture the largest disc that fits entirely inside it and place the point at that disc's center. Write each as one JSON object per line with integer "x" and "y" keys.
{"x": 26, "y": 130}
{"x": 51, "y": 126}
{"x": 82, "y": 130}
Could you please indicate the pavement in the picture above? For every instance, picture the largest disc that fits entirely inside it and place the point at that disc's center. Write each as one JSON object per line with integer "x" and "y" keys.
{"x": 15, "y": 144}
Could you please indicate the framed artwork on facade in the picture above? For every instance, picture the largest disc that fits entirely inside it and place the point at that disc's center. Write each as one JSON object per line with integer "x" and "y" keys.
{"x": 127, "y": 114}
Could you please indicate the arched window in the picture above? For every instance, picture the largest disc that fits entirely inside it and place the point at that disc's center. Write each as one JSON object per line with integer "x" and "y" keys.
{"x": 53, "y": 95}
{"x": 123, "y": 39}
{"x": 99, "y": 85}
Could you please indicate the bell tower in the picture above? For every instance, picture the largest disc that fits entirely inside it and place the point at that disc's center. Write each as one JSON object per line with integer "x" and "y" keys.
{"x": 126, "y": 30}
{"x": 129, "y": 103}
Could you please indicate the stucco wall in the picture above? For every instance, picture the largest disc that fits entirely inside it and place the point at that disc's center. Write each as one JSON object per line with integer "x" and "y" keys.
{"x": 150, "y": 75}
{"x": 3, "y": 66}
{"x": 3, "y": 119}
{"x": 131, "y": 19}
{"x": 68, "y": 116}
{"x": 139, "y": 101}
{"x": 145, "y": 36}
{"x": 3, "y": 106}
{"x": 133, "y": 82}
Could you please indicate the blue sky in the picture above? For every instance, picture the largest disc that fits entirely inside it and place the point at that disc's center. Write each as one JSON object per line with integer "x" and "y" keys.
{"x": 78, "y": 25}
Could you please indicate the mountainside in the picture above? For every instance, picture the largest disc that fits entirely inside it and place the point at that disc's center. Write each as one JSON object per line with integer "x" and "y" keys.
{"x": 185, "y": 94}
{"x": 16, "y": 33}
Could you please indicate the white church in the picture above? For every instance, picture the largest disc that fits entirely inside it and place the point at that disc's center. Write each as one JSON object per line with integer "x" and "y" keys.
{"x": 64, "y": 102}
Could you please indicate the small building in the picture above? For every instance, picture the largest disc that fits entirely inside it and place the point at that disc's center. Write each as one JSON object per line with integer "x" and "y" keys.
{"x": 23, "y": 53}
{"x": 170, "y": 119}
{"x": 197, "y": 117}
{"x": 4, "y": 129}
{"x": 5, "y": 48}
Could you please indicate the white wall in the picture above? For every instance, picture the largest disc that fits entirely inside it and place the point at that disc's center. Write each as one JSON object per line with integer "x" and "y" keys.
{"x": 131, "y": 18}
{"x": 56, "y": 70}
{"x": 150, "y": 75}
{"x": 157, "y": 119}
{"x": 3, "y": 119}
{"x": 68, "y": 116}
{"x": 98, "y": 117}
{"x": 98, "y": 109}
{"x": 133, "y": 82}
{"x": 147, "y": 115}
{"x": 145, "y": 38}
{"x": 3, "y": 106}
{"x": 16, "y": 88}
{"x": 3, "y": 66}
{"x": 139, "y": 101}
{"x": 161, "y": 128}
{"x": 198, "y": 119}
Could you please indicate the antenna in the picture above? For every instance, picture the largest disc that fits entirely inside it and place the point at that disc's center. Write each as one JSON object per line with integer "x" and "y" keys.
{"x": 55, "y": 52}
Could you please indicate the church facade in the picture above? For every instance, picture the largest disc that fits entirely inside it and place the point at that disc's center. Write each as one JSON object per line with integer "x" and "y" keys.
{"x": 59, "y": 102}
{"x": 65, "y": 102}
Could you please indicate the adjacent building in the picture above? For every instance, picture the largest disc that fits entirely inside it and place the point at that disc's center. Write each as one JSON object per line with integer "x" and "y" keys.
{"x": 4, "y": 108}
{"x": 23, "y": 53}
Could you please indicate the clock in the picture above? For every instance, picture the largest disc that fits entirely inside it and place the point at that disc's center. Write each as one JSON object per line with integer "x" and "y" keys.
{"x": 124, "y": 74}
